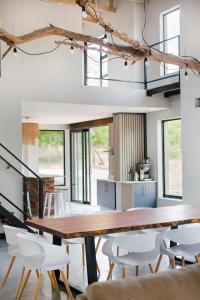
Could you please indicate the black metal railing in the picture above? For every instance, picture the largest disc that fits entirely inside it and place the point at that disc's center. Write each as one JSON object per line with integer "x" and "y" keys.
{"x": 10, "y": 216}
{"x": 27, "y": 216}
{"x": 25, "y": 183}
{"x": 162, "y": 76}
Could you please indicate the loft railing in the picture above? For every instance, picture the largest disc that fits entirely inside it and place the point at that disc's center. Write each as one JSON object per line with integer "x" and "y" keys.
{"x": 25, "y": 182}
{"x": 162, "y": 76}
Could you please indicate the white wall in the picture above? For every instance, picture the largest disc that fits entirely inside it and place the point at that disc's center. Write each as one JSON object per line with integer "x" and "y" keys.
{"x": 57, "y": 77}
{"x": 190, "y": 115}
{"x": 154, "y": 142}
{"x": 153, "y": 34}
{"x": 10, "y": 136}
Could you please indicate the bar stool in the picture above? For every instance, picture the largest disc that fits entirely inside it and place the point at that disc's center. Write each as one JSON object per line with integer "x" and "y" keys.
{"x": 29, "y": 204}
{"x": 59, "y": 203}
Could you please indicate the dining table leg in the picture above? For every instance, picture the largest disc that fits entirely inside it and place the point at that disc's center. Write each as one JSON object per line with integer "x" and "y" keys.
{"x": 91, "y": 259}
{"x": 57, "y": 241}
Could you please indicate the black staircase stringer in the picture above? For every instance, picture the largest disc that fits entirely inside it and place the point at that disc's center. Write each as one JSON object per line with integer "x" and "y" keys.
{"x": 12, "y": 219}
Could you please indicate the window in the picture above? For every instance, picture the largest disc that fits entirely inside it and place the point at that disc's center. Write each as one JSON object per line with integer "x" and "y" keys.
{"x": 99, "y": 145}
{"x": 52, "y": 155}
{"x": 172, "y": 158}
{"x": 171, "y": 36}
{"x": 95, "y": 66}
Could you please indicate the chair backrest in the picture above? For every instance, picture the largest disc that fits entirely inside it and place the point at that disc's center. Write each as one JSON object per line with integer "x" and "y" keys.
{"x": 11, "y": 234}
{"x": 29, "y": 246}
{"x": 185, "y": 236}
{"x": 138, "y": 243}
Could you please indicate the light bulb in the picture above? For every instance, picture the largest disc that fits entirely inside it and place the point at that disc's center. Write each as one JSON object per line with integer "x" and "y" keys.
{"x": 15, "y": 51}
{"x": 186, "y": 75}
{"x": 105, "y": 38}
{"x": 84, "y": 14}
{"x": 125, "y": 65}
{"x": 146, "y": 62}
{"x": 71, "y": 50}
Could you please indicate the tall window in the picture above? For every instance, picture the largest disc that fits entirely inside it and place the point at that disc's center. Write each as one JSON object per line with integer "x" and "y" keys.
{"x": 95, "y": 66}
{"x": 172, "y": 158}
{"x": 52, "y": 155}
{"x": 99, "y": 142}
{"x": 171, "y": 36}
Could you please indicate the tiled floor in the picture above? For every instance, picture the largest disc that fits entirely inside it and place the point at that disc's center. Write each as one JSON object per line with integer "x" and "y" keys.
{"x": 78, "y": 275}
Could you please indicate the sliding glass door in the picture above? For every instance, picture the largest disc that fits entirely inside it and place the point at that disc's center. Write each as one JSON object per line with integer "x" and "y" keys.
{"x": 80, "y": 166}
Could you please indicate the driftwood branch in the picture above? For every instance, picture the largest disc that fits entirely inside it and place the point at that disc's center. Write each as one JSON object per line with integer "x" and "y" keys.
{"x": 98, "y": 49}
{"x": 131, "y": 50}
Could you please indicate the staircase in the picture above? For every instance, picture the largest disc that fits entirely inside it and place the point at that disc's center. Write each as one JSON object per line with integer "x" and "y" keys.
{"x": 7, "y": 216}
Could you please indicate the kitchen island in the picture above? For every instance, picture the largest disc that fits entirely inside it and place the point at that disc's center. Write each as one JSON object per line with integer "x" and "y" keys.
{"x": 122, "y": 195}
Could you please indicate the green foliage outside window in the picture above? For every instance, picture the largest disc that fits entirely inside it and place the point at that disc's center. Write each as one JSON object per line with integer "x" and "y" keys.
{"x": 99, "y": 136}
{"x": 174, "y": 138}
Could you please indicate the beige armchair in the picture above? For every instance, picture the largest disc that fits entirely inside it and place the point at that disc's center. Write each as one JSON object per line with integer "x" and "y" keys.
{"x": 182, "y": 284}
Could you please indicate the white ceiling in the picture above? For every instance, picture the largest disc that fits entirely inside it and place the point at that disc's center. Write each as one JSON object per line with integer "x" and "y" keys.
{"x": 66, "y": 113}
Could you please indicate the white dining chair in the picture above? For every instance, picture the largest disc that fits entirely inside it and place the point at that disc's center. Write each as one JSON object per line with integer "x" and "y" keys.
{"x": 117, "y": 234}
{"x": 188, "y": 244}
{"x": 141, "y": 249}
{"x": 76, "y": 241}
{"x": 42, "y": 257}
{"x": 13, "y": 247}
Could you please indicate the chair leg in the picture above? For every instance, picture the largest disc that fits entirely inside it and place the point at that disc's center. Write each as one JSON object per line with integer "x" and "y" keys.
{"x": 83, "y": 254}
{"x": 53, "y": 276}
{"x": 117, "y": 250}
{"x": 51, "y": 280}
{"x": 8, "y": 271}
{"x": 37, "y": 273}
{"x": 137, "y": 270}
{"x": 158, "y": 263}
{"x": 45, "y": 203}
{"x": 173, "y": 263}
{"x": 67, "y": 250}
{"x": 110, "y": 271}
{"x": 20, "y": 282}
{"x": 24, "y": 285}
{"x": 123, "y": 272}
{"x": 98, "y": 270}
{"x": 98, "y": 244}
{"x": 151, "y": 268}
{"x": 67, "y": 285}
{"x": 37, "y": 288}
{"x": 49, "y": 201}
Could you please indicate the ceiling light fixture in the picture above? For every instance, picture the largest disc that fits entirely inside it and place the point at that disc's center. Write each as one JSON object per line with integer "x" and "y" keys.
{"x": 15, "y": 51}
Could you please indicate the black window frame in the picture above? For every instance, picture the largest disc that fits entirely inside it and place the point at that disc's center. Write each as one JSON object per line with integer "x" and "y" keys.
{"x": 64, "y": 158}
{"x": 101, "y": 58}
{"x": 163, "y": 161}
{"x": 167, "y": 39}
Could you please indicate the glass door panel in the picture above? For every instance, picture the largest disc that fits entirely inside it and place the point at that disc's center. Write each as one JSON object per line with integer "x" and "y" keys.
{"x": 80, "y": 166}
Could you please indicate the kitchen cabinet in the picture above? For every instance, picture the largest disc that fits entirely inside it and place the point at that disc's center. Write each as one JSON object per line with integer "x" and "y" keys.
{"x": 144, "y": 194}
{"x": 122, "y": 195}
{"x": 106, "y": 194}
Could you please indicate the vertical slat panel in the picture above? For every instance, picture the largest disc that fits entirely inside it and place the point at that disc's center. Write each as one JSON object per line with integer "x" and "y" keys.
{"x": 128, "y": 143}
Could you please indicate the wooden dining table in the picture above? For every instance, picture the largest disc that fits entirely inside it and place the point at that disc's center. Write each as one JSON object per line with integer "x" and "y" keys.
{"x": 90, "y": 226}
